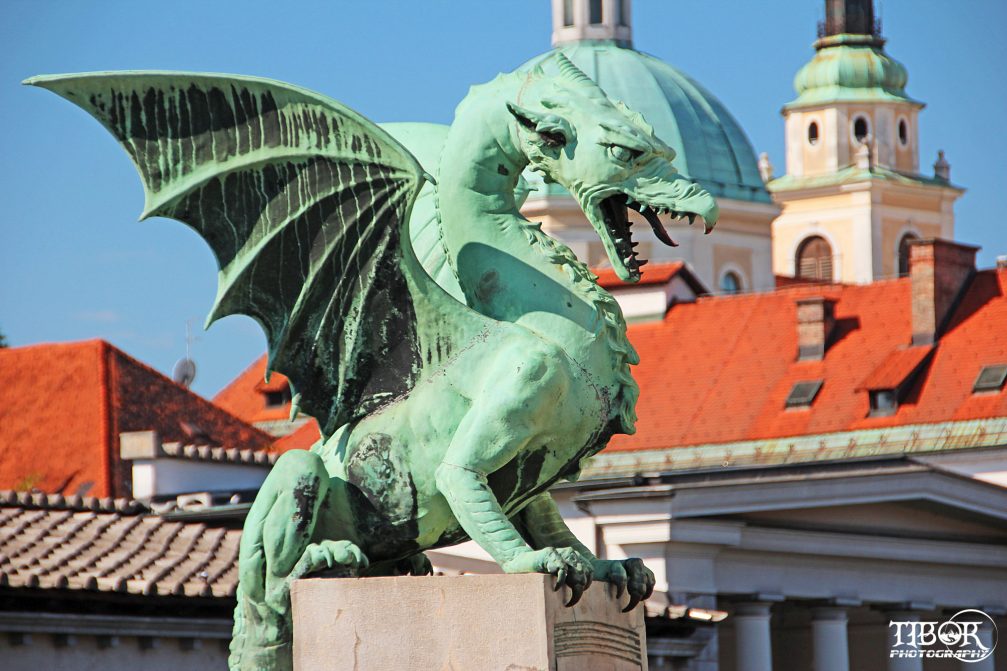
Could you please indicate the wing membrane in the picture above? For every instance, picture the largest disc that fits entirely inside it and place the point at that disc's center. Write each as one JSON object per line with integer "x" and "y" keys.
{"x": 303, "y": 203}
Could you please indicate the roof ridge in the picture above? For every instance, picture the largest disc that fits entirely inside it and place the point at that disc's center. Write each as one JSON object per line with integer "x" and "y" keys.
{"x": 43, "y": 501}
{"x": 237, "y": 378}
{"x": 63, "y": 343}
{"x": 231, "y": 455}
{"x": 809, "y": 288}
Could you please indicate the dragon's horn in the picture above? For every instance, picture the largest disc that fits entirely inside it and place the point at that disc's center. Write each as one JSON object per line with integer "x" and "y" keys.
{"x": 570, "y": 71}
{"x": 573, "y": 74}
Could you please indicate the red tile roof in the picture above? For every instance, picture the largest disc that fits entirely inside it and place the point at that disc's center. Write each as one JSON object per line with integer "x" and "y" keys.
{"x": 245, "y": 396}
{"x": 897, "y": 368}
{"x": 719, "y": 370}
{"x": 658, "y": 273}
{"x": 63, "y": 406}
{"x": 301, "y": 439}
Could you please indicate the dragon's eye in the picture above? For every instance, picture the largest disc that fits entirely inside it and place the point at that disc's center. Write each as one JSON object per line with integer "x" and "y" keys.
{"x": 623, "y": 154}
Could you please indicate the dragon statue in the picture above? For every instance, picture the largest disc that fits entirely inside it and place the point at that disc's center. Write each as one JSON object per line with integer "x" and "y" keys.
{"x": 458, "y": 360}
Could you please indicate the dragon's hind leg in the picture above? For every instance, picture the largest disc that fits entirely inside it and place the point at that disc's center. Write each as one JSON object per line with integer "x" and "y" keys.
{"x": 278, "y": 546}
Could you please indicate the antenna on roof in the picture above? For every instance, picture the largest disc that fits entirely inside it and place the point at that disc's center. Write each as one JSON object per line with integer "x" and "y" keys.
{"x": 184, "y": 371}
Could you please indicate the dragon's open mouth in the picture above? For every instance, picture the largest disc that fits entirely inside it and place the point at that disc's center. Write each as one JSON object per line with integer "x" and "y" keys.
{"x": 614, "y": 213}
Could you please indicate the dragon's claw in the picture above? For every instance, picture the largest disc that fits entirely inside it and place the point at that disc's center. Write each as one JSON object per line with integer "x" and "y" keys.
{"x": 342, "y": 556}
{"x": 570, "y": 568}
{"x": 576, "y": 593}
{"x": 627, "y": 576}
{"x": 633, "y": 601}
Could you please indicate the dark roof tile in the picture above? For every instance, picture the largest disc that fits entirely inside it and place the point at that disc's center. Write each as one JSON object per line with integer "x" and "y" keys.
{"x": 49, "y": 543}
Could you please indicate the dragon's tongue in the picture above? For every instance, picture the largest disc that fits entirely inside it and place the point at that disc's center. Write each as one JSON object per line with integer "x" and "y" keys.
{"x": 658, "y": 227}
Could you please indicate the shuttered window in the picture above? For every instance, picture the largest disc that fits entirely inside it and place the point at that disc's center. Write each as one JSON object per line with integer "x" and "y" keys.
{"x": 904, "y": 253}
{"x": 814, "y": 259}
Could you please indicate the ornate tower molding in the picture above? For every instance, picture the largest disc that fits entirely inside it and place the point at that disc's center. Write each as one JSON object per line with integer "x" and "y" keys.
{"x": 853, "y": 185}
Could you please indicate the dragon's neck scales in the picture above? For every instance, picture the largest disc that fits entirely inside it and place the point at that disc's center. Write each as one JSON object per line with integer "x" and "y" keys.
{"x": 507, "y": 267}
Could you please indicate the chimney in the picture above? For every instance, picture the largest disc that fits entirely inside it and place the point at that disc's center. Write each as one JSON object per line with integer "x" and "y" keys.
{"x": 939, "y": 272}
{"x": 815, "y": 319}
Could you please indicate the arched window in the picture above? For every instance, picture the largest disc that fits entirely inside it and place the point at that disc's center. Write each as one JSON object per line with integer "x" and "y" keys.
{"x": 904, "y": 253}
{"x": 903, "y": 132}
{"x": 813, "y": 133}
{"x": 730, "y": 282}
{"x": 814, "y": 259}
{"x": 861, "y": 129}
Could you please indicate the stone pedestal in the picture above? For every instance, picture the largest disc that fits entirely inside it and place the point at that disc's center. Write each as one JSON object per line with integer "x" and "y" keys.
{"x": 462, "y": 623}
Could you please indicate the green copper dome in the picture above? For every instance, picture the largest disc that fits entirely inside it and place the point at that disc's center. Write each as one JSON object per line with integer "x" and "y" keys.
{"x": 711, "y": 148}
{"x": 849, "y": 68}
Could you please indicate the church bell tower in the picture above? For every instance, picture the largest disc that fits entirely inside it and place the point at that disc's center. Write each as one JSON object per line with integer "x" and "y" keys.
{"x": 853, "y": 195}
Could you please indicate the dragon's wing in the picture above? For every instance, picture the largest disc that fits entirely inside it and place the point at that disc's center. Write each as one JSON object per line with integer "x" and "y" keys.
{"x": 303, "y": 203}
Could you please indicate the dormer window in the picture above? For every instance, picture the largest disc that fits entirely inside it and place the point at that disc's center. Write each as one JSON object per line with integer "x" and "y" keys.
{"x": 991, "y": 378}
{"x": 884, "y": 402}
{"x": 889, "y": 383}
{"x": 803, "y": 394}
{"x": 278, "y": 398}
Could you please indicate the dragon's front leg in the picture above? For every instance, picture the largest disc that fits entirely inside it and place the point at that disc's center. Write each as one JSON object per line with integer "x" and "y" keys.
{"x": 546, "y": 527}
{"x": 482, "y": 518}
{"x": 498, "y": 426}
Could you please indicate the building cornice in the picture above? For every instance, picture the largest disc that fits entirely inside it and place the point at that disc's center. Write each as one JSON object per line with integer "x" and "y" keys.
{"x": 79, "y": 624}
{"x": 905, "y": 439}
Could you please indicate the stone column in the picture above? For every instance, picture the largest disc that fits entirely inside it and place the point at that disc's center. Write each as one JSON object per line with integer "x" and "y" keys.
{"x": 898, "y": 663}
{"x": 828, "y": 633}
{"x": 754, "y": 650}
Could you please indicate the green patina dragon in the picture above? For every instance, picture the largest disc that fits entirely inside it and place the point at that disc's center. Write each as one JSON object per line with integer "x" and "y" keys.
{"x": 458, "y": 360}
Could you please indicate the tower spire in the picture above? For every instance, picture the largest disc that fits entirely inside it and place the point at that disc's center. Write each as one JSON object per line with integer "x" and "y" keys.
{"x": 851, "y": 17}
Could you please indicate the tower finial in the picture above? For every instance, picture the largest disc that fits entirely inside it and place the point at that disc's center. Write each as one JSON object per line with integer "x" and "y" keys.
{"x": 849, "y": 17}
{"x": 592, "y": 20}
{"x": 942, "y": 169}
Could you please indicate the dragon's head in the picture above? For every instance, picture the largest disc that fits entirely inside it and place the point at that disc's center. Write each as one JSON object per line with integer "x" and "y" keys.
{"x": 608, "y": 158}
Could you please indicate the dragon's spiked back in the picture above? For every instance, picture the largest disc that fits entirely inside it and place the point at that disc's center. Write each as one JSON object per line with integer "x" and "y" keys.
{"x": 607, "y": 157}
{"x": 303, "y": 202}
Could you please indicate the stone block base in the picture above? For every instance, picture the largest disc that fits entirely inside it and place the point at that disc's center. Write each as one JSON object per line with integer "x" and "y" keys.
{"x": 462, "y": 623}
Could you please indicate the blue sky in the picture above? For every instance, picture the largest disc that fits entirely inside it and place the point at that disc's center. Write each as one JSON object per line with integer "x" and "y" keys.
{"x": 75, "y": 264}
